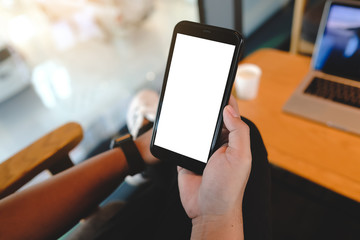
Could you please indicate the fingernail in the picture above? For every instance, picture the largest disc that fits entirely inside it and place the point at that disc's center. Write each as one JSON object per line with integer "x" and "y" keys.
{"x": 232, "y": 111}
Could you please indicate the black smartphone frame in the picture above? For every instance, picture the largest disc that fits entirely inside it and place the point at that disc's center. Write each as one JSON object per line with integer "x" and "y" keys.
{"x": 211, "y": 33}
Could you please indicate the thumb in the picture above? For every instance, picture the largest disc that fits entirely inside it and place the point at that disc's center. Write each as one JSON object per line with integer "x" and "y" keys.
{"x": 239, "y": 133}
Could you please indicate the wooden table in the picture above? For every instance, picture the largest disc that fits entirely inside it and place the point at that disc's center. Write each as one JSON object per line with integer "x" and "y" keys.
{"x": 326, "y": 156}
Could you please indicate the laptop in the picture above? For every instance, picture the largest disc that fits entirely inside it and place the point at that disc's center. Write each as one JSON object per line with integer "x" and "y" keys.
{"x": 330, "y": 93}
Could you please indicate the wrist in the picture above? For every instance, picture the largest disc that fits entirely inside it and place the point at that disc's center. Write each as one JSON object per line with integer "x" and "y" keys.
{"x": 218, "y": 227}
{"x": 143, "y": 145}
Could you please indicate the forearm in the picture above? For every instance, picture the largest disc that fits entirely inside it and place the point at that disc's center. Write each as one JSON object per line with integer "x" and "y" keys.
{"x": 218, "y": 228}
{"x": 49, "y": 207}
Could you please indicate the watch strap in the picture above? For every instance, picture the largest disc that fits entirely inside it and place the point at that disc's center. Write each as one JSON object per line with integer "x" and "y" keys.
{"x": 133, "y": 157}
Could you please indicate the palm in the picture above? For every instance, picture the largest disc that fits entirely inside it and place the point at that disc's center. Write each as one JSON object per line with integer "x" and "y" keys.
{"x": 197, "y": 192}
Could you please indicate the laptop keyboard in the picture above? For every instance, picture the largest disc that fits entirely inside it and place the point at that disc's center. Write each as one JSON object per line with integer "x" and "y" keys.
{"x": 335, "y": 91}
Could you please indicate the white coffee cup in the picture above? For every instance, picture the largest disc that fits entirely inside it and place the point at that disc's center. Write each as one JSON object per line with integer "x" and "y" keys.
{"x": 247, "y": 81}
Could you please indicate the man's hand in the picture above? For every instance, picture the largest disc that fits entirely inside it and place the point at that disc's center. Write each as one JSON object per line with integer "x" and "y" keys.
{"x": 214, "y": 200}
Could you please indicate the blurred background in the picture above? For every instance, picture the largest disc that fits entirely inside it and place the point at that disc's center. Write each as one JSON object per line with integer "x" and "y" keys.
{"x": 82, "y": 60}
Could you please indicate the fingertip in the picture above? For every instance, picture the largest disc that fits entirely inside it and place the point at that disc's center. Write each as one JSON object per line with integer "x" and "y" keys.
{"x": 230, "y": 110}
{"x": 233, "y": 121}
{"x": 233, "y": 102}
{"x": 182, "y": 170}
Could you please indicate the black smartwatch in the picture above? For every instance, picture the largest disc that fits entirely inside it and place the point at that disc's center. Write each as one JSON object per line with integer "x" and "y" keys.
{"x": 133, "y": 157}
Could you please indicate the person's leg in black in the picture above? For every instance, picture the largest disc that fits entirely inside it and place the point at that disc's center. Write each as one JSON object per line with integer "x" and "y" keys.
{"x": 256, "y": 203}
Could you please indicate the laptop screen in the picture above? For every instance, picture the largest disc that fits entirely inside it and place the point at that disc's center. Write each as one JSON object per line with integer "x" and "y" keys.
{"x": 338, "y": 46}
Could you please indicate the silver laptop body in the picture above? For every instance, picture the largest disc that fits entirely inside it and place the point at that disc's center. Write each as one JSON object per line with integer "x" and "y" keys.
{"x": 330, "y": 93}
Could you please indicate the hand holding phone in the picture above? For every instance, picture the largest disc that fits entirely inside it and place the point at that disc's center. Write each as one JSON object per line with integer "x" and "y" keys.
{"x": 214, "y": 200}
{"x": 197, "y": 84}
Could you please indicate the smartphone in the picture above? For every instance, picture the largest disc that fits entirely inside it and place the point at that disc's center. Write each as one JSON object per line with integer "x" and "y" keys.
{"x": 197, "y": 84}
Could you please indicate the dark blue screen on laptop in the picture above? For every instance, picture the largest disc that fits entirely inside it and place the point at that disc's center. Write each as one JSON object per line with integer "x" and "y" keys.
{"x": 339, "y": 48}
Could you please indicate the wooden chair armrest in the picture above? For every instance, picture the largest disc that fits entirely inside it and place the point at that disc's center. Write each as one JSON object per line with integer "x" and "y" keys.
{"x": 49, "y": 152}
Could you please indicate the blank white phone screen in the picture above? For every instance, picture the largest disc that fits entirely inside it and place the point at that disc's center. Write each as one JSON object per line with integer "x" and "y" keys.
{"x": 195, "y": 86}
